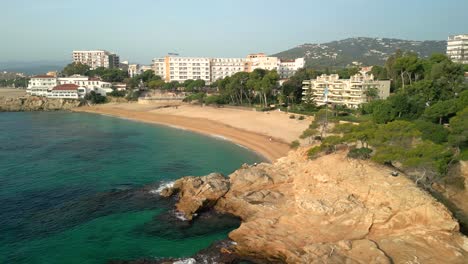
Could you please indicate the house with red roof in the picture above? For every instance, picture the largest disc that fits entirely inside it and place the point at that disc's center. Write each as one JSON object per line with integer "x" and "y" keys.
{"x": 67, "y": 91}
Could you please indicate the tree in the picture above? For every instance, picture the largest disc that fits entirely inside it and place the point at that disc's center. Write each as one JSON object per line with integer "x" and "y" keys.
{"x": 95, "y": 98}
{"x": 441, "y": 111}
{"x": 459, "y": 129}
{"x": 75, "y": 68}
{"x": 155, "y": 84}
{"x": 410, "y": 68}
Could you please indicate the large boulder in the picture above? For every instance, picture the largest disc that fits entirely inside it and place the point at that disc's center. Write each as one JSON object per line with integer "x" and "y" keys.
{"x": 197, "y": 193}
{"x": 329, "y": 210}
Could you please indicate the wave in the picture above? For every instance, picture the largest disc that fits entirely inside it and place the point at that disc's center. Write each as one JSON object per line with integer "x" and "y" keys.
{"x": 162, "y": 186}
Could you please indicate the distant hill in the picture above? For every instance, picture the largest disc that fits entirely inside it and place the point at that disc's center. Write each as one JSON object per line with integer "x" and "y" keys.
{"x": 368, "y": 51}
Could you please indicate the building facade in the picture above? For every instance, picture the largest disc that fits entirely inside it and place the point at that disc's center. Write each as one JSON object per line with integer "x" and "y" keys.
{"x": 42, "y": 85}
{"x": 261, "y": 61}
{"x": 39, "y": 85}
{"x": 287, "y": 68}
{"x": 349, "y": 92}
{"x": 174, "y": 68}
{"x": 96, "y": 58}
{"x": 457, "y": 48}
{"x": 225, "y": 67}
{"x": 67, "y": 91}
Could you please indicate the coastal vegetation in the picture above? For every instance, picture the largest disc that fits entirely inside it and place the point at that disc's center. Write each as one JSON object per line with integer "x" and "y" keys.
{"x": 420, "y": 128}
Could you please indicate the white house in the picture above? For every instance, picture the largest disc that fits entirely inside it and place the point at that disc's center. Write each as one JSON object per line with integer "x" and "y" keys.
{"x": 67, "y": 91}
{"x": 39, "y": 85}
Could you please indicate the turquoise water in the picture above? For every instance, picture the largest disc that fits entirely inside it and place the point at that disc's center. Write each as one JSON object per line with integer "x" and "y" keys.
{"x": 77, "y": 188}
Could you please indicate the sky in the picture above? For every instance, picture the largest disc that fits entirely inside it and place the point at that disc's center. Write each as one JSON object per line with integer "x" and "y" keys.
{"x": 140, "y": 30}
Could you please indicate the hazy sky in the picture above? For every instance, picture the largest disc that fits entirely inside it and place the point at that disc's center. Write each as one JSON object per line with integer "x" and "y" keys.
{"x": 139, "y": 30}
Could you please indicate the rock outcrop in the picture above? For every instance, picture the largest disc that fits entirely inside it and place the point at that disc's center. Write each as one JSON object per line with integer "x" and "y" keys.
{"x": 197, "y": 193}
{"x": 328, "y": 210}
{"x": 33, "y": 103}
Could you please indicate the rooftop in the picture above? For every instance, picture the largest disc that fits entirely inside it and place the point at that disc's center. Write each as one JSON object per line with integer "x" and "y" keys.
{"x": 66, "y": 87}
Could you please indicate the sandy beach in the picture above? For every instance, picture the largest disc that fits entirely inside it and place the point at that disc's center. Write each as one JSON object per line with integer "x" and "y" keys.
{"x": 11, "y": 92}
{"x": 267, "y": 133}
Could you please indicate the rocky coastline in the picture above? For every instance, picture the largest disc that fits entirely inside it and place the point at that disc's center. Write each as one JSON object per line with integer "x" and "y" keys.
{"x": 329, "y": 210}
{"x": 33, "y": 103}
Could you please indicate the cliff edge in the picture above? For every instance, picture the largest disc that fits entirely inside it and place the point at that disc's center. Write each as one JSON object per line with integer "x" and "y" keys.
{"x": 329, "y": 210}
{"x": 33, "y": 103}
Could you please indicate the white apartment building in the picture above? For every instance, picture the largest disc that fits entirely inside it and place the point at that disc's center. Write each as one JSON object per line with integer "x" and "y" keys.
{"x": 159, "y": 67}
{"x": 457, "y": 48}
{"x": 42, "y": 85}
{"x": 39, "y": 85}
{"x": 261, "y": 61}
{"x": 287, "y": 68}
{"x": 67, "y": 91}
{"x": 91, "y": 84}
{"x": 348, "y": 92}
{"x": 96, "y": 58}
{"x": 184, "y": 68}
{"x": 224, "y": 67}
{"x": 174, "y": 68}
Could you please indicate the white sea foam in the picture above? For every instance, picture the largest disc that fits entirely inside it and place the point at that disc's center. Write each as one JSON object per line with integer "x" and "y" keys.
{"x": 219, "y": 137}
{"x": 185, "y": 261}
{"x": 180, "y": 216}
{"x": 162, "y": 186}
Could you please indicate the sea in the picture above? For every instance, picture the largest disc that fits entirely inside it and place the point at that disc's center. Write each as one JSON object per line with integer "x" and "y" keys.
{"x": 83, "y": 188}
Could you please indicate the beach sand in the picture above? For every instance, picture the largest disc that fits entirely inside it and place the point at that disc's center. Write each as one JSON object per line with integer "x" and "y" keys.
{"x": 11, "y": 92}
{"x": 267, "y": 133}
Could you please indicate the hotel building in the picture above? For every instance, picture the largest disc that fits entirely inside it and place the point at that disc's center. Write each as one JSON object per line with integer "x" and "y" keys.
{"x": 174, "y": 68}
{"x": 224, "y": 67}
{"x": 39, "y": 85}
{"x": 43, "y": 85}
{"x": 96, "y": 58}
{"x": 349, "y": 92}
{"x": 287, "y": 68}
{"x": 67, "y": 91}
{"x": 457, "y": 48}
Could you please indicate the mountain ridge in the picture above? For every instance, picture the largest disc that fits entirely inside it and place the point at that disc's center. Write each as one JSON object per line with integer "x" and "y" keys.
{"x": 359, "y": 50}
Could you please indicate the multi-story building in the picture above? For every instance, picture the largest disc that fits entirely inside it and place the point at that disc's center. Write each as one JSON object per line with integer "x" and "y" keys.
{"x": 457, "y": 48}
{"x": 96, "y": 58}
{"x": 67, "y": 91}
{"x": 287, "y": 68}
{"x": 224, "y": 67}
{"x": 159, "y": 67}
{"x": 261, "y": 61}
{"x": 183, "y": 68}
{"x": 42, "y": 85}
{"x": 39, "y": 85}
{"x": 349, "y": 92}
{"x": 174, "y": 68}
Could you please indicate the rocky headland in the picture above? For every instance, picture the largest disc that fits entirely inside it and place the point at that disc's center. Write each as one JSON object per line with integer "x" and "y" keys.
{"x": 329, "y": 210}
{"x": 33, "y": 103}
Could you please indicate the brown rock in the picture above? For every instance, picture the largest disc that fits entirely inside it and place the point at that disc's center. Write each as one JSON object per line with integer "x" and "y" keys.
{"x": 196, "y": 193}
{"x": 329, "y": 210}
{"x": 33, "y": 103}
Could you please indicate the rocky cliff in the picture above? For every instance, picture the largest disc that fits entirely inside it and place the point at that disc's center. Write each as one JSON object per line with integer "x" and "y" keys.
{"x": 32, "y": 103}
{"x": 328, "y": 210}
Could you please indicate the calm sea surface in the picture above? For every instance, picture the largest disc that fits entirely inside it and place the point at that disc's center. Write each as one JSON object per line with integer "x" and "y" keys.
{"x": 78, "y": 188}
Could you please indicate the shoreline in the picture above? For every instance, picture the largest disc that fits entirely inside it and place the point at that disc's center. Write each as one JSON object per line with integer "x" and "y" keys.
{"x": 266, "y": 147}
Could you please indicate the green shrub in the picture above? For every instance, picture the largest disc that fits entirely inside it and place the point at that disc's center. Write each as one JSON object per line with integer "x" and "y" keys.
{"x": 117, "y": 93}
{"x": 292, "y": 116}
{"x": 313, "y": 152}
{"x": 295, "y": 144}
{"x": 360, "y": 153}
{"x": 301, "y": 118}
{"x": 95, "y": 98}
